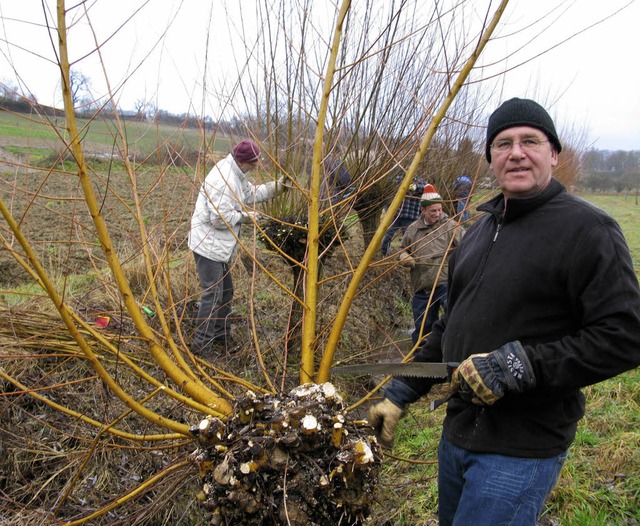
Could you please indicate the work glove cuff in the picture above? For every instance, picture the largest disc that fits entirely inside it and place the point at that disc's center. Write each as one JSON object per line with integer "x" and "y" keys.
{"x": 506, "y": 369}
{"x": 485, "y": 378}
{"x": 511, "y": 368}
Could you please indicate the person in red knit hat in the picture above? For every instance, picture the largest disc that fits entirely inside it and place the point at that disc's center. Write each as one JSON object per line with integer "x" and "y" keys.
{"x": 424, "y": 249}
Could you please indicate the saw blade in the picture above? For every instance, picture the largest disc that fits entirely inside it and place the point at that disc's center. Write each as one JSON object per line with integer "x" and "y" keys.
{"x": 413, "y": 369}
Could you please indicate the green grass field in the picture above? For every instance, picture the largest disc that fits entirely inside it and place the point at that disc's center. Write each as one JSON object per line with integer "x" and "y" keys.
{"x": 627, "y": 212}
{"x": 144, "y": 137}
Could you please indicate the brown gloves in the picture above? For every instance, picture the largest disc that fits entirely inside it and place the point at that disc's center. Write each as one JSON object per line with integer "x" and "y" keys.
{"x": 384, "y": 418}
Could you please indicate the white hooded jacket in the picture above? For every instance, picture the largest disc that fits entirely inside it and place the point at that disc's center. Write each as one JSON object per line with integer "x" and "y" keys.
{"x": 223, "y": 201}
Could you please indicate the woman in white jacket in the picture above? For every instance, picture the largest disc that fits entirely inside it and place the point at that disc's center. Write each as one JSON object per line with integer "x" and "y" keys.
{"x": 225, "y": 201}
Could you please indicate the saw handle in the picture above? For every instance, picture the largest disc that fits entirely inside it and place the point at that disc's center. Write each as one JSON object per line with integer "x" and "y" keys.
{"x": 451, "y": 368}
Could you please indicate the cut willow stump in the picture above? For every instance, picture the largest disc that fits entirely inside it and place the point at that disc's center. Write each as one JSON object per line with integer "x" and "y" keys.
{"x": 294, "y": 459}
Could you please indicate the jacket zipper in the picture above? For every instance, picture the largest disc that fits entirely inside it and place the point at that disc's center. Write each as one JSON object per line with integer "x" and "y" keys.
{"x": 500, "y": 221}
{"x": 489, "y": 247}
{"x": 495, "y": 236}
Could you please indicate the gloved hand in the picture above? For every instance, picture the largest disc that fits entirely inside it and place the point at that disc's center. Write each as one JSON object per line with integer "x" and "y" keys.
{"x": 384, "y": 418}
{"x": 483, "y": 379}
{"x": 406, "y": 259}
{"x": 283, "y": 184}
{"x": 412, "y": 188}
{"x": 249, "y": 217}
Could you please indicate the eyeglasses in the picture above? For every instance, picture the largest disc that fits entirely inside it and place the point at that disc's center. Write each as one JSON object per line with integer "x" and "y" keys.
{"x": 531, "y": 144}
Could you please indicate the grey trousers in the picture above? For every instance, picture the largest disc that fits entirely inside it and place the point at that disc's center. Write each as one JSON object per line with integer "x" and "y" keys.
{"x": 215, "y": 304}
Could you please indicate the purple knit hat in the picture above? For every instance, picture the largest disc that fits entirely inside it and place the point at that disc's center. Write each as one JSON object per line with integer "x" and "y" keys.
{"x": 246, "y": 152}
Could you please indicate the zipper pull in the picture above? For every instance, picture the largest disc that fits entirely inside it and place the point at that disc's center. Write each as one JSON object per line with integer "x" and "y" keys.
{"x": 497, "y": 232}
{"x": 500, "y": 221}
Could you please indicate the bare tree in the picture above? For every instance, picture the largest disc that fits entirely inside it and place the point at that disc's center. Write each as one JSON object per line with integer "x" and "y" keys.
{"x": 79, "y": 87}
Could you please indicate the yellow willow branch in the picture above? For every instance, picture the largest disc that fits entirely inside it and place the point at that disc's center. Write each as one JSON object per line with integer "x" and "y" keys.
{"x": 138, "y": 217}
{"x": 131, "y": 495}
{"x": 68, "y": 320}
{"x": 193, "y": 388}
{"x": 141, "y": 372}
{"x": 228, "y": 377}
{"x": 86, "y": 419}
{"x": 96, "y": 440}
{"x": 103, "y": 340}
{"x": 327, "y": 357}
{"x": 310, "y": 307}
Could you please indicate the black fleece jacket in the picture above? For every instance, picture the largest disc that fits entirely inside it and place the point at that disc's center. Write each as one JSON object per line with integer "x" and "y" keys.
{"x": 553, "y": 272}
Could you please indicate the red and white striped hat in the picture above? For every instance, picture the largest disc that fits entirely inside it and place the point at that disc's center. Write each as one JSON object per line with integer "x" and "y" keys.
{"x": 430, "y": 196}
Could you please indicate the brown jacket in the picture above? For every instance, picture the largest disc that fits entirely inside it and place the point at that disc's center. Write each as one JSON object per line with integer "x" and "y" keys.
{"x": 429, "y": 245}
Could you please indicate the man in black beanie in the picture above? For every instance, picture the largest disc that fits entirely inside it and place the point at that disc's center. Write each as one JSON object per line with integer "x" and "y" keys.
{"x": 543, "y": 300}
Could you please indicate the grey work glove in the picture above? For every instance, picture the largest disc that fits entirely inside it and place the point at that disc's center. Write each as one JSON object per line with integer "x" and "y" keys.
{"x": 283, "y": 184}
{"x": 483, "y": 379}
{"x": 384, "y": 418}
{"x": 249, "y": 217}
{"x": 407, "y": 260}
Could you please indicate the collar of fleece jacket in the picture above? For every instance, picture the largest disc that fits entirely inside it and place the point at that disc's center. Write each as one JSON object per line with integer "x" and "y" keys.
{"x": 519, "y": 206}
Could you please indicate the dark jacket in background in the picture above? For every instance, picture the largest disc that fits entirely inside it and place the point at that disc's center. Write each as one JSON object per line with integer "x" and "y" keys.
{"x": 335, "y": 182}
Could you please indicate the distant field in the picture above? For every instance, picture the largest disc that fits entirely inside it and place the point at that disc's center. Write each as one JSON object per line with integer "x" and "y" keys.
{"x": 143, "y": 137}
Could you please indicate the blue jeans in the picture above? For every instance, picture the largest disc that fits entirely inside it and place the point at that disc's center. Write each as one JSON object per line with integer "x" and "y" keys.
{"x": 399, "y": 223}
{"x": 215, "y": 303}
{"x": 419, "y": 304}
{"x": 492, "y": 490}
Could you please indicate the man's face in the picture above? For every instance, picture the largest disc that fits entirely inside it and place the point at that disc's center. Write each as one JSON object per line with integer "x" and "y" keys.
{"x": 432, "y": 213}
{"x": 247, "y": 167}
{"x": 523, "y": 172}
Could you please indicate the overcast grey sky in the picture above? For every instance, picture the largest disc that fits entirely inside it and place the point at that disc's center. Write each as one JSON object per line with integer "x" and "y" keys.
{"x": 590, "y": 79}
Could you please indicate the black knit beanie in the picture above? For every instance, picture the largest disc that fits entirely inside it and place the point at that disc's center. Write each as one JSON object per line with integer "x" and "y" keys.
{"x": 520, "y": 112}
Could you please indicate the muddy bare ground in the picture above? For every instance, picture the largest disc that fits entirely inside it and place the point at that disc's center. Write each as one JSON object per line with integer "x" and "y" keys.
{"x": 50, "y": 209}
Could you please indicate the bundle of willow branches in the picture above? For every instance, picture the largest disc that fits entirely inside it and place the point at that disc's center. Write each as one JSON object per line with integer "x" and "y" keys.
{"x": 290, "y": 236}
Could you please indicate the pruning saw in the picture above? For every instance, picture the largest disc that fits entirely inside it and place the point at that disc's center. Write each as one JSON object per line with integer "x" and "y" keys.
{"x": 409, "y": 369}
